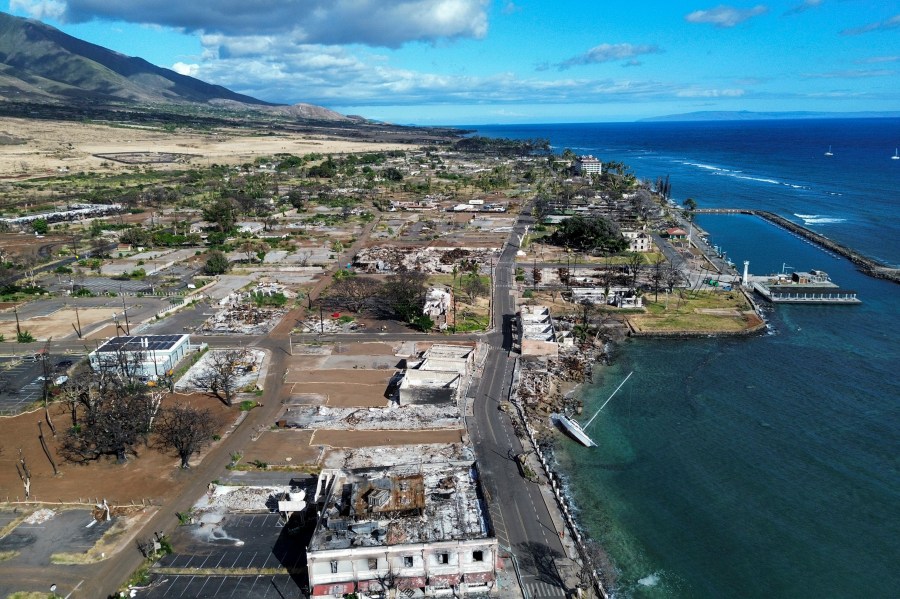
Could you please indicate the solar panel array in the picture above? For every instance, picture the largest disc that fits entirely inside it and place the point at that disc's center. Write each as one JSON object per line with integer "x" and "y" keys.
{"x": 135, "y": 343}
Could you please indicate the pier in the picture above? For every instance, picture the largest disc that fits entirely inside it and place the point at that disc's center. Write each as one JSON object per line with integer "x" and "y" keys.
{"x": 865, "y": 264}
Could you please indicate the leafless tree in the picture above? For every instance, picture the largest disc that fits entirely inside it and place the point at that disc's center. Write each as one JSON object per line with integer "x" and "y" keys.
{"x": 250, "y": 248}
{"x": 475, "y": 287}
{"x": 673, "y": 277}
{"x": 353, "y": 293}
{"x": 223, "y": 371}
{"x": 657, "y": 275}
{"x": 635, "y": 266}
{"x": 114, "y": 420}
{"x": 186, "y": 430}
{"x": 24, "y": 474}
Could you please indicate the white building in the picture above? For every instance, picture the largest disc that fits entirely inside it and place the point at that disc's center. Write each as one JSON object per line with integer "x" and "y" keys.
{"x": 638, "y": 241}
{"x": 588, "y": 165}
{"x": 419, "y": 530}
{"x": 145, "y": 357}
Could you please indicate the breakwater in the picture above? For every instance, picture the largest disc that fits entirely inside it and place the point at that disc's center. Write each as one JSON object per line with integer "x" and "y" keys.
{"x": 864, "y": 264}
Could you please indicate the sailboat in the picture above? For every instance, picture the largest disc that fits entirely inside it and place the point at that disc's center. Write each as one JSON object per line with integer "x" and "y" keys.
{"x": 576, "y": 430}
{"x": 896, "y": 156}
{"x": 829, "y": 153}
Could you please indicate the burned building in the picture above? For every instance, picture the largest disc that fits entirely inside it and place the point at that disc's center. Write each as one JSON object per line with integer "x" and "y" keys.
{"x": 421, "y": 530}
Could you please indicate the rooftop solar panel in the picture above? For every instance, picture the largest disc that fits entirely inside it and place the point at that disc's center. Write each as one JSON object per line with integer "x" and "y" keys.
{"x": 136, "y": 343}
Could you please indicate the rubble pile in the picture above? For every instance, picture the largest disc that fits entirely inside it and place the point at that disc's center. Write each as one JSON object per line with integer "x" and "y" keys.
{"x": 243, "y": 319}
{"x": 385, "y": 259}
{"x": 39, "y": 516}
{"x": 240, "y": 499}
{"x": 410, "y": 417}
{"x": 389, "y": 456}
{"x": 251, "y": 362}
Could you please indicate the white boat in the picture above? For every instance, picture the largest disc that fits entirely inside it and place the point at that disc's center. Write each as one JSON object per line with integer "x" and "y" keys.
{"x": 896, "y": 156}
{"x": 828, "y": 153}
{"x": 574, "y": 429}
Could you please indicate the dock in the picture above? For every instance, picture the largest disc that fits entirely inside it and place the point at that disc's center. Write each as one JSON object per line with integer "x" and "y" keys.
{"x": 865, "y": 264}
{"x": 813, "y": 287}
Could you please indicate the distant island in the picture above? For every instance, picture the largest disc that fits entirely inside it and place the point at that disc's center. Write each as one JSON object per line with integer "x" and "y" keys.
{"x": 746, "y": 115}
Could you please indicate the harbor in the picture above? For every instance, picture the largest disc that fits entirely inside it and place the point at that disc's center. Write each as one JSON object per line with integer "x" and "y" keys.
{"x": 813, "y": 287}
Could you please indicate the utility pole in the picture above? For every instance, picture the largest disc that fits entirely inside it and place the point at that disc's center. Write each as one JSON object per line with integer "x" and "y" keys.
{"x": 125, "y": 312}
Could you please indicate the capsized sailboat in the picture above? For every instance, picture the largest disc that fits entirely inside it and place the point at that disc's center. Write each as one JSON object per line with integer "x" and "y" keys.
{"x": 576, "y": 430}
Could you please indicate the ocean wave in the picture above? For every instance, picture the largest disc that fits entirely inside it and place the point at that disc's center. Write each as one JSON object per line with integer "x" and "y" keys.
{"x": 760, "y": 179}
{"x": 707, "y": 167}
{"x": 825, "y": 221}
{"x": 649, "y": 581}
{"x": 819, "y": 219}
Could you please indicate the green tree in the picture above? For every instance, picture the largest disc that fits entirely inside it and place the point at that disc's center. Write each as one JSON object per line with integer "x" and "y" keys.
{"x": 222, "y": 212}
{"x": 40, "y": 226}
{"x": 217, "y": 263}
{"x": 589, "y": 233}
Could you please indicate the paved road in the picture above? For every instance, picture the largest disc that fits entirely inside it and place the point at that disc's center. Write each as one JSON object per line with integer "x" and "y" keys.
{"x": 519, "y": 514}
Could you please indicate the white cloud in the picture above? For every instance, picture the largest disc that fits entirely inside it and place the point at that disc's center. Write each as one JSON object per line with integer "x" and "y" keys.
{"x": 852, "y": 74}
{"x": 878, "y": 59}
{"x": 710, "y": 93}
{"x": 39, "y": 9}
{"x": 388, "y": 23}
{"x": 725, "y": 16}
{"x": 607, "y": 53}
{"x": 892, "y": 23}
{"x": 191, "y": 70}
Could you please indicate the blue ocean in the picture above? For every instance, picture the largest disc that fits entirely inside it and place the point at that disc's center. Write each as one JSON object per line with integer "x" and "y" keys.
{"x": 766, "y": 466}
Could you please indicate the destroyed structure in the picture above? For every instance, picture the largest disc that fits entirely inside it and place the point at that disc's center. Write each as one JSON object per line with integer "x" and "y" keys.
{"x": 432, "y": 260}
{"x": 437, "y": 306}
{"x": 239, "y": 312}
{"x": 144, "y": 357}
{"x": 435, "y": 377}
{"x": 537, "y": 335}
{"x": 422, "y": 530}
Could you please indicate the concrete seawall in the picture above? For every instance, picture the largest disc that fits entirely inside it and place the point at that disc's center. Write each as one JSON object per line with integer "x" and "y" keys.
{"x": 865, "y": 264}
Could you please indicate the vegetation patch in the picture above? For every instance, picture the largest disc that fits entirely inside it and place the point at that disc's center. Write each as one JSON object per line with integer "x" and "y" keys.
{"x": 696, "y": 311}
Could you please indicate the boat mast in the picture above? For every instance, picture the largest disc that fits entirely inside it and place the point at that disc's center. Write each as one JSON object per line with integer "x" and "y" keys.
{"x": 607, "y": 400}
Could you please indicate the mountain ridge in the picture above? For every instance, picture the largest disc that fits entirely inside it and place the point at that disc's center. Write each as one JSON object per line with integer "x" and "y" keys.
{"x": 43, "y": 64}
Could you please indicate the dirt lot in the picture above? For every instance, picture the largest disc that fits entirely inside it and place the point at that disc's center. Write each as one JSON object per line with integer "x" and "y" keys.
{"x": 152, "y": 474}
{"x": 347, "y": 395}
{"x": 59, "y": 324}
{"x": 15, "y": 245}
{"x": 283, "y": 448}
{"x": 54, "y": 145}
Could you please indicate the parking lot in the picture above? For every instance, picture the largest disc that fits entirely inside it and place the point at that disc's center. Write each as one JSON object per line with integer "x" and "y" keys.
{"x": 31, "y": 546}
{"x": 19, "y": 384}
{"x": 248, "y": 550}
{"x": 249, "y": 587}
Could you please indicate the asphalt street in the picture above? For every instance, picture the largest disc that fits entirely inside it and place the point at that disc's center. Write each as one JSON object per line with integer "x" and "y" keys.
{"x": 519, "y": 514}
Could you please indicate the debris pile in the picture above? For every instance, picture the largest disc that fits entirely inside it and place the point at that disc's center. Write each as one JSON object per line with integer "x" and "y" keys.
{"x": 389, "y": 456}
{"x": 39, "y": 516}
{"x": 384, "y": 259}
{"x": 242, "y": 319}
{"x": 221, "y": 498}
{"x": 409, "y": 417}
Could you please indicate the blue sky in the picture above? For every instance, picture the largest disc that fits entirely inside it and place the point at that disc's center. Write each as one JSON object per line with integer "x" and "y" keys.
{"x": 481, "y": 61}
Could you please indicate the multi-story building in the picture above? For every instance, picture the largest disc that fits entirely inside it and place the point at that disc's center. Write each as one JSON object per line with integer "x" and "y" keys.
{"x": 417, "y": 531}
{"x": 588, "y": 165}
{"x": 638, "y": 241}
